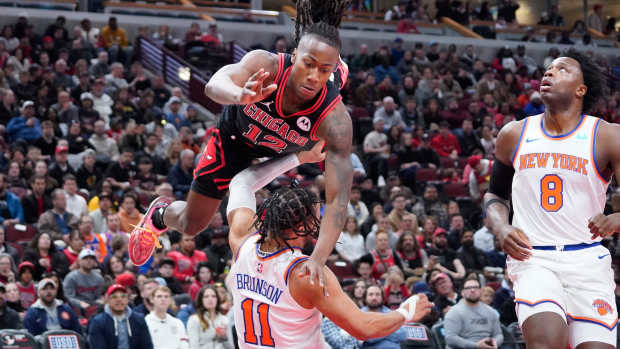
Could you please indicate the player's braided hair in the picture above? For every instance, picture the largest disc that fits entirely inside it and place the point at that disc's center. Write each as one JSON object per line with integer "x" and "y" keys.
{"x": 288, "y": 209}
{"x": 592, "y": 77}
{"x": 321, "y": 18}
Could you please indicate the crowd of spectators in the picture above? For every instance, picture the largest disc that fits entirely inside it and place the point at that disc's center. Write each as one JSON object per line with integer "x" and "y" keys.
{"x": 89, "y": 139}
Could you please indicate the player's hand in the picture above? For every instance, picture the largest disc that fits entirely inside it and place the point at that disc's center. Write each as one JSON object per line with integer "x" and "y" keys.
{"x": 316, "y": 154}
{"x": 484, "y": 344}
{"x": 253, "y": 90}
{"x": 415, "y": 308}
{"x": 315, "y": 270}
{"x": 515, "y": 243}
{"x": 603, "y": 226}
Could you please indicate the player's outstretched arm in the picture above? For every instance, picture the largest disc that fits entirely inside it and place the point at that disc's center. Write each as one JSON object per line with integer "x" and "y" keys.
{"x": 245, "y": 82}
{"x": 340, "y": 309}
{"x": 337, "y": 131}
{"x": 242, "y": 202}
{"x": 497, "y": 199}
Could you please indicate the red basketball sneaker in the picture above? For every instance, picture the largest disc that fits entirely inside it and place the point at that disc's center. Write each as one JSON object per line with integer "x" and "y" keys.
{"x": 145, "y": 236}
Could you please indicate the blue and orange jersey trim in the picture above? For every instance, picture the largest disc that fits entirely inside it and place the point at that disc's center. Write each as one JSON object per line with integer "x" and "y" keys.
{"x": 593, "y": 147}
{"x": 562, "y": 136}
{"x": 594, "y": 321}
{"x": 292, "y": 265}
{"x": 523, "y": 129}
{"x": 541, "y": 301}
{"x": 241, "y": 245}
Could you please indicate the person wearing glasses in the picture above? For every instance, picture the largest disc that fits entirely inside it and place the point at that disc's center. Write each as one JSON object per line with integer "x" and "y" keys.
{"x": 471, "y": 323}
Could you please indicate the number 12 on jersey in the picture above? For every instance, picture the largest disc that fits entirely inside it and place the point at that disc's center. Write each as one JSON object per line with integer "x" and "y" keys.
{"x": 247, "y": 305}
{"x": 551, "y": 193}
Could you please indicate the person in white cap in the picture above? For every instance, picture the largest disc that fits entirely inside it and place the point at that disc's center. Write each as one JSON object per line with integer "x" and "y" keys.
{"x": 49, "y": 312}
{"x": 25, "y": 126}
{"x": 83, "y": 286}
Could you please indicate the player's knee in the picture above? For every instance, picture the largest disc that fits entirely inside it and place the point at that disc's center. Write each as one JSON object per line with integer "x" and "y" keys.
{"x": 547, "y": 341}
{"x": 545, "y": 331}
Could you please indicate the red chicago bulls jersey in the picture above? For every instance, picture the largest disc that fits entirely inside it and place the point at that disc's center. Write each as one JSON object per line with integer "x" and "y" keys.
{"x": 263, "y": 130}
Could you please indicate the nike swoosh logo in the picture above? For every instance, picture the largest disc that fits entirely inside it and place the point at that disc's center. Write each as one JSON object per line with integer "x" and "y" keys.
{"x": 603, "y": 256}
{"x": 529, "y": 140}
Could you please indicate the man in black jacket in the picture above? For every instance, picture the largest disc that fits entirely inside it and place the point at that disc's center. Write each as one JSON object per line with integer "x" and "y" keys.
{"x": 8, "y": 317}
{"x": 36, "y": 203}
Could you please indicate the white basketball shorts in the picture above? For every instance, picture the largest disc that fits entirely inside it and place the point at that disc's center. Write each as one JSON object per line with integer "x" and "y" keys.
{"x": 577, "y": 285}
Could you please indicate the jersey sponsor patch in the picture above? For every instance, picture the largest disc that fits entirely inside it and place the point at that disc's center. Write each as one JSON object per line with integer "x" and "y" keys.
{"x": 603, "y": 308}
{"x": 304, "y": 124}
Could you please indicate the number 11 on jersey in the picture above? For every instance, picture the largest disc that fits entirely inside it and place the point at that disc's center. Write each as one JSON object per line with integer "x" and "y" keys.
{"x": 551, "y": 193}
{"x": 247, "y": 305}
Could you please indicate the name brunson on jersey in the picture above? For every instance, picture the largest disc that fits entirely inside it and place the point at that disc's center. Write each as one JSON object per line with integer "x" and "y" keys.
{"x": 259, "y": 286}
{"x": 275, "y": 124}
{"x": 558, "y": 160}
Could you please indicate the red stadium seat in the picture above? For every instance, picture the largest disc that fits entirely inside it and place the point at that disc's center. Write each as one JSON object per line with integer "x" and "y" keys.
{"x": 343, "y": 270}
{"x": 18, "y": 247}
{"x": 446, "y": 162}
{"x": 463, "y": 162}
{"x": 456, "y": 190}
{"x": 359, "y": 112}
{"x": 20, "y": 232}
{"x": 426, "y": 174}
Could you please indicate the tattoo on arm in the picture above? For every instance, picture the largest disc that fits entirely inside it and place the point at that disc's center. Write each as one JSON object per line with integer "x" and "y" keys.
{"x": 337, "y": 132}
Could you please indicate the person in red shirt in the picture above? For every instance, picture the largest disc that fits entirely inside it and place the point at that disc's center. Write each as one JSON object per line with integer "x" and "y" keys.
{"x": 27, "y": 292}
{"x": 186, "y": 259}
{"x": 445, "y": 143}
{"x": 212, "y": 37}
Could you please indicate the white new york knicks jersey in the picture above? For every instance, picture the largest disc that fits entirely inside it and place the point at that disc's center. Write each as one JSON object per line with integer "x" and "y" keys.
{"x": 557, "y": 186}
{"x": 266, "y": 315}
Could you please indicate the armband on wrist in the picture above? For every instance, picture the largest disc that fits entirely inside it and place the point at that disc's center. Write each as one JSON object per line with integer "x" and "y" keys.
{"x": 407, "y": 309}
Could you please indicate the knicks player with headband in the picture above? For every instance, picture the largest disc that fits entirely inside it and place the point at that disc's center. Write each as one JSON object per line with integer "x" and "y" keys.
{"x": 276, "y": 104}
{"x": 274, "y": 302}
{"x": 557, "y": 167}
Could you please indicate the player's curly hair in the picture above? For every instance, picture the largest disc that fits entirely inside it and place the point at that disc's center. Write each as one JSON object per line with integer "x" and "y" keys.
{"x": 592, "y": 78}
{"x": 321, "y": 18}
{"x": 288, "y": 209}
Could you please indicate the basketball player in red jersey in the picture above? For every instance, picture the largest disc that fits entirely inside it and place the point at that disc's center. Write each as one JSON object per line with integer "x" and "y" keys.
{"x": 276, "y": 104}
{"x": 556, "y": 168}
